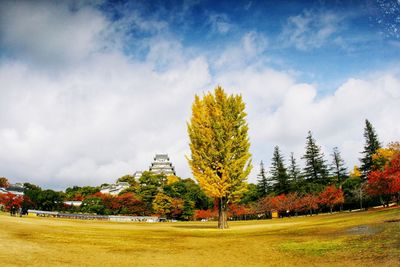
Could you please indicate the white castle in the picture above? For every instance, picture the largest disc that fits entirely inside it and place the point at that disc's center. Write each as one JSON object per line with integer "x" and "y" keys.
{"x": 161, "y": 164}
{"x": 114, "y": 189}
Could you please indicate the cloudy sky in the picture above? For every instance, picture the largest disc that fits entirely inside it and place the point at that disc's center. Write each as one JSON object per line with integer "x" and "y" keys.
{"x": 90, "y": 91}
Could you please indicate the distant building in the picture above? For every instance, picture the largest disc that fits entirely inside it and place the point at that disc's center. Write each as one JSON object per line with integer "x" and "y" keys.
{"x": 16, "y": 189}
{"x": 74, "y": 203}
{"x": 114, "y": 189}
{"x": 161, "y": 164}
{"x": 3, "y": 190}
{"x": 137, "y": 175}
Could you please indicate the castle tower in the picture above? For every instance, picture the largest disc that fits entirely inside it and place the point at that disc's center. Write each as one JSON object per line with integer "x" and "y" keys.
{"x": 161, "y": 164}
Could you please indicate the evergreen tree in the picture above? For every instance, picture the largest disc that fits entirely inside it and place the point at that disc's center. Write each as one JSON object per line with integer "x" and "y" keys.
{"x": 315, "y": 170}
{"x": 372, "y": 144}
{"x": 279, "y": 176}
{"x": 262, "y": 185}
{"x": 338, "y": 167}
{"x": 294, "y": 172}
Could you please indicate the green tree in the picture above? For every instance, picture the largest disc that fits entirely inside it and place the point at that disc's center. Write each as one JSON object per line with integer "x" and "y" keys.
{"x": 195, "y": 194}
{"x": 294, "y": 173}
{"x": 191, "y": 194}
{"x": 338, "y": 167}
{"x": 219, "y": 144}
{"x": 129, "y": 179}
{"x": 315, "y": 170}
{"x": 150, "y": 185}
{"x": 251, "y": 195}
{"x": 168, "y": 206}
{"x": 263, "y": 183}
{"x": 187, "y": 209}
{"x": 50, "y": 200}
{"x": 93, "y": 204}
{"x": 77, "y": 192}
{"x": 32, "y": 191}
{"x": 279, "y": 176}
{"x": 372, "y": 144}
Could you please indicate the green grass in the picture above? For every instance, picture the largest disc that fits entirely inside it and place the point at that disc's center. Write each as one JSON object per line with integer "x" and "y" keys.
{"x": 345, "y": 239}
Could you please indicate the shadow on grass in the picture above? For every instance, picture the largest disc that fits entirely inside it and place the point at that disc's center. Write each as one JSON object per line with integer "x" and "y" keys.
{"x": 200, "y": 227}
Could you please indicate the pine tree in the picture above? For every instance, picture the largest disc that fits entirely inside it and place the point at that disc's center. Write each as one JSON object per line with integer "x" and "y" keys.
{"x": 294, "y": 172}
{"x": 219, "y": 144}
{"x": 338, "y": 167}
{"x": 315, "y": 170}
{"x": 279, "y": 176}
{"x": 372, "y": 144}
{"x": 263, "y": 183}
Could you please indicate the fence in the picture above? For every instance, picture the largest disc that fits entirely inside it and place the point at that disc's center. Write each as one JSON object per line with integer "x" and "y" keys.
{"x": 81, "y": 216}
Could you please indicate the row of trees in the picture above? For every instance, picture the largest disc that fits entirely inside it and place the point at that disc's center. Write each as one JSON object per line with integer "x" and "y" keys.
{"x": 152, "y": 194}
{"x": 221, "y": 162}
{"x": 375, "y": 179}
{"x": 284, "y": 204}
{"x": 287, "y": 190}
{"x": 314, "y": 177}
{"x": 294, "y": 203}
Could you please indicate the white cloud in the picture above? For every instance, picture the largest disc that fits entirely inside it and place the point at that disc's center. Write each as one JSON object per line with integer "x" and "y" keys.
{"x": 109, "y": 114}
{"x": 97, "y": 122}
{"x": 335, "y": 120}
{"x": 46, "y": 32}
{"x": 311, "y": 29}
{"x": 245, "y": 52}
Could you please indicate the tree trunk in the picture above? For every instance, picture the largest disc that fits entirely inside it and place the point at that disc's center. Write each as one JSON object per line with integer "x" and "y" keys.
{"x": 222, "y": 218}
{"x": 330, "y": 209}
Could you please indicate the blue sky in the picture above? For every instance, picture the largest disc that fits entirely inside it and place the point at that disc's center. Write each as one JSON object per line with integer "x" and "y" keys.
{"x": 326, "y": 40}
{"x": 91, "y": 90}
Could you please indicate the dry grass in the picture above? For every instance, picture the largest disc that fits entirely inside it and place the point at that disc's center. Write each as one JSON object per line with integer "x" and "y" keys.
{"x": 346, "y": 239}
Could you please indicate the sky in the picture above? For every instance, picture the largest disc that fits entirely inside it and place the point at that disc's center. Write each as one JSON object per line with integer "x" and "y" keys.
{"x": 92, "y": 90}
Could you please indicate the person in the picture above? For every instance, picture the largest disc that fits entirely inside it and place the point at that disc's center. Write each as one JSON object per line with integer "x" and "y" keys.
{"x": 12, "y": 211}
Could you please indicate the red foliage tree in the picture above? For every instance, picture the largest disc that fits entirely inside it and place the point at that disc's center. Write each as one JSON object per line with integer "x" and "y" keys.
{"x": 331, "y": 196}
{"x": 279, "y": 203}
{"x": 386, "y": 182}
{"x": 293, "y": 202}
{"x": 240, "y": 211}
{"x": 129, "y": 204}
{"x": 78, "y": 197}
{"x": 177, "y": 207}
{"x": 264, "y": 205}
{"x": 4, "y": 182}
{"x": 11, "y": 202}
{"x": 204, "y": 214}
{"x": 309, "y": 203}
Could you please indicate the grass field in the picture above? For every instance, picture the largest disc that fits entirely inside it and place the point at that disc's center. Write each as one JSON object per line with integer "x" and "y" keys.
{"x": 345, "y": 239}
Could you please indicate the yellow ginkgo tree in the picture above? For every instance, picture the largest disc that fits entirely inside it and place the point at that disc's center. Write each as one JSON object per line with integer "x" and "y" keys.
{"x": 219, "y": 143}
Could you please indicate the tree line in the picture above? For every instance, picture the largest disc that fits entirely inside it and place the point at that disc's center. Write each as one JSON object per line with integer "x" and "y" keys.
{"x": 221, "y": 162}
{"x": 376, "y": 181}
{"x": 151, "y": 194}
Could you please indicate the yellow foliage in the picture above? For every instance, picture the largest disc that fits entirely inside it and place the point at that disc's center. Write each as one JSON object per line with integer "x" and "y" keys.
{"x": 172, "y": 179}
{"x": 355, "y": 173}
{"x": 162, "y": 204}
{"x": 384, "y": 155}
{"x": 219, "y": 143}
